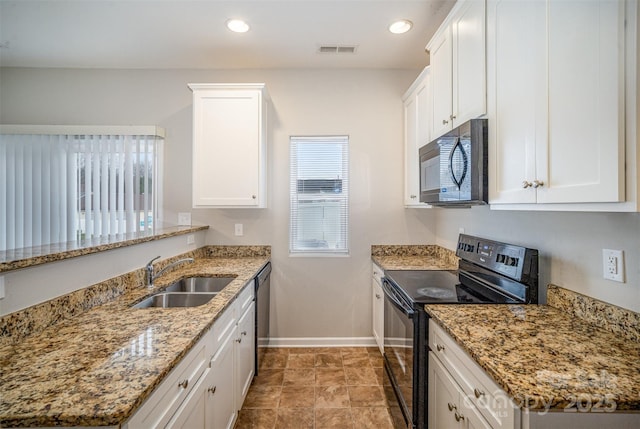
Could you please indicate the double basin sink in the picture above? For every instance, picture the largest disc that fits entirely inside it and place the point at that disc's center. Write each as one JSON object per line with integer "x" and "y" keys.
{"x": 188, "y": 292}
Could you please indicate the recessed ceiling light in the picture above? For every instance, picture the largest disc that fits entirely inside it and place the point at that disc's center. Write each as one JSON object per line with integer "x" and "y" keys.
{"x": 401, "y": 26}
{"x": 237, "y": 26}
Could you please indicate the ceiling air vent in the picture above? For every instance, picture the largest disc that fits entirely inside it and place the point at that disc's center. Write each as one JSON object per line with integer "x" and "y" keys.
{"x": 337, "y": 49}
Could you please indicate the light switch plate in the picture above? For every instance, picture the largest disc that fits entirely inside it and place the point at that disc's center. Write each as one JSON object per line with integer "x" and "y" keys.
{"x": 184, "y": 219}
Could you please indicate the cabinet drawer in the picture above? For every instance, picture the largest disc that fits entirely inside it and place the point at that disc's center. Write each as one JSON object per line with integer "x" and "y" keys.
{"x": 168, "y": 396}
{"x": 245, "y": 298}
{"x": 378, "y": 273}
{"x": 493, "y": 403}
{"x": 223, "y": 326}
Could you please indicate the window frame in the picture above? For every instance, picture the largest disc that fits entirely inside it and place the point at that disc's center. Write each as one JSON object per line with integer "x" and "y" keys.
{"x": 343, "y": 200}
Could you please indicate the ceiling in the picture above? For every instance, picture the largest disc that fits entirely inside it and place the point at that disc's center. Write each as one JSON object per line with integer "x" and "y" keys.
{"x": 191, "y": 34}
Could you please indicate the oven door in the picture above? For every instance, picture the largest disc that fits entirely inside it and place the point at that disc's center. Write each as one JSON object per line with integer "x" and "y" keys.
{"x": 398, "y": 347}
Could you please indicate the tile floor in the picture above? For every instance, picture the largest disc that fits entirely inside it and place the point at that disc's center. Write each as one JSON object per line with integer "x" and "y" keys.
{"x": 317, "y": 388}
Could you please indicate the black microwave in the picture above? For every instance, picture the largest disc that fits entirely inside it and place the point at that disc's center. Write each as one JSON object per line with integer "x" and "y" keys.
{"x": 453, "y": 168}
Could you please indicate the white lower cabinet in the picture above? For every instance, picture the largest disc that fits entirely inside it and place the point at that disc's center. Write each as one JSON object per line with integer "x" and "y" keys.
{"x": 245, "y": 356}
{"x": 377, "y": 307}
{"x": 450, "y": 407}
{"x": 207, "y": 388}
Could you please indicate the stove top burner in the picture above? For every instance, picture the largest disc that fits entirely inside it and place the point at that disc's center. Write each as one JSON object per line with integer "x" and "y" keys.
{"x": 436, "y": 292}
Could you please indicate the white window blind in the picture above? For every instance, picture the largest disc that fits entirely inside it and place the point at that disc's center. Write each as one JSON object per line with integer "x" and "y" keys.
{"x": 319, "y": 192}
{"x": 68, "y": 187}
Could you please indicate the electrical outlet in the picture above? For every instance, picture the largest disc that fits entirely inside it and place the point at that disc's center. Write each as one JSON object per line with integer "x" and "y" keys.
{"x": 2, "y": 287}
{"x": 191, "y": 239}
{"x": 239, "y": 232}
{"x": 613, "y": 265}
{"x": 184, "y": 219}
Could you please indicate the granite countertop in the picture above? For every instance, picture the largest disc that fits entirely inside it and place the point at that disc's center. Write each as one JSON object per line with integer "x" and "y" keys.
{"x": 544, "y": 357}
{"x": 96, "y": 369}
{"x": 413, "y": 257}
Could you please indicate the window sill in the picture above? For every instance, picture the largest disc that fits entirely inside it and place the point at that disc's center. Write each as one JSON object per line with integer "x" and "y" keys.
{"x": 30, "y": 256}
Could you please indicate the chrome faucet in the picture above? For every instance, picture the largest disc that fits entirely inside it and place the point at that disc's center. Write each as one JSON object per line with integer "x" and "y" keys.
{"x": 151, "y": 276}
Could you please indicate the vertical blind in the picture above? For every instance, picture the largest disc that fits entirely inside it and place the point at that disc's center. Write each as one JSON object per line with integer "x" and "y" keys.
{"x": 67, "y": 187}
{"x": 319, "y": 192}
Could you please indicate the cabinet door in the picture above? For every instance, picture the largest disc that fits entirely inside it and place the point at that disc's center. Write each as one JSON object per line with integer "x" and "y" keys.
{"x": 583, "y": 160}
{"x": 441, "y": 75}
{"x": 443, "y": 397}
{"x": 220, "y": 394}
{"x": 411, "y": 172}
{"x": 377, "y": 310}
{"x": 517, "y": 85}
{"x": 245, "y": 354}
{"x": 192, "y": 412}
{"x": 469, "y": 72}
{"x": 226, "y": 150}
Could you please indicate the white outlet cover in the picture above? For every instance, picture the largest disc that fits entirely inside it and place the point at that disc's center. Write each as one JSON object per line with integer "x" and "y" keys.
{"x": 613, "y": 265}
{"x": 239, "y": 230}
{"x": 2, "y": 293}
{"x": 184, "y": 219}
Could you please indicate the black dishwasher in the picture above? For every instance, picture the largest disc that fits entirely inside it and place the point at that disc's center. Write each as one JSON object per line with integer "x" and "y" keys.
{"x": 263, "y": 302}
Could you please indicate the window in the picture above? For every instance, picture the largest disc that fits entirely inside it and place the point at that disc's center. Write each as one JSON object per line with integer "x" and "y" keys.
{"x": 57, "y": 185}
{"x": 319, "y": 190}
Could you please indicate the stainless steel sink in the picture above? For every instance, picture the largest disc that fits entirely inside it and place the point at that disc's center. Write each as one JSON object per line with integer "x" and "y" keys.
{"x": 200, "y": 284}
{"x": 170, "y": 299}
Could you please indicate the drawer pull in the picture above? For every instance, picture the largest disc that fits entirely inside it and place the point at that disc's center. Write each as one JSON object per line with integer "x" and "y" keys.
{"x": 458, "y": 416}
{"x": 439, "y": 347}
{"x": 243, "y": 333}
{"x": 239, "y": 340}
{"x": 478, "y": 393}
{"x": 451, "y": 406}
{"x": 378, "y": 296}
{"x": 184, "y": 383}
{"x": 212, "y": 390}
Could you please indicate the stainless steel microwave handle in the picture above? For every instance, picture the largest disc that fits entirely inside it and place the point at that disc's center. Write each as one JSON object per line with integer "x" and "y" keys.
{"x": 465, "y": 163}
{"x": 388, "y": 293}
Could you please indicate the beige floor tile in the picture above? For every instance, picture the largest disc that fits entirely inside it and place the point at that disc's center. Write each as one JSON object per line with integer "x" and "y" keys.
{"x": 299, "y": 377}
{"x": 274, "y": 360}
{"x": 360, "y": 376}
{"x": 378, "y": 418}
{"x": 295, "y": 418}
{"x": 269, "y": 377}
{"x": 262, "y": 397}
{"x": 301, "y": 360}
{"x": 376, "y": 361}
{"x": 330, "y": 377}
{"x": 297, "y": 397}
{"x": 359, "y": 350}
{"x": 366, "y": 396}
{"x": 256, "y": 419}
{"x": 328, "y": 360}
{"x": 358, "y": 360}
{"x": 332, "y": 397}
{"x": 334, "y": 418}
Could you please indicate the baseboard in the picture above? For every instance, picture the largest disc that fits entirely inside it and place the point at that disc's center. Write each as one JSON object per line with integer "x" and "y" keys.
{"x": 323, "y": 342}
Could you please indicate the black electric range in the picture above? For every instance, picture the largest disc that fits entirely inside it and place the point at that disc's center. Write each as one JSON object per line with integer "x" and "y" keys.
{"x": 489, "y": 272}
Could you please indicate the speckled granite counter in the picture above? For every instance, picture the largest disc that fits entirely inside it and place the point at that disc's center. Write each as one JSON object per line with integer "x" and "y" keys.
{"x": 414, "y": 257}
{"x": 542, "y": 356}
{"x": 96, "y": 368}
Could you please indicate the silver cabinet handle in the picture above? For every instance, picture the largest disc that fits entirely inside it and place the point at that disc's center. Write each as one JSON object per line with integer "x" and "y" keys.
{"x": 212, "y": 390}
{"x": 243, "y": 333}
{"x": 413, "y": 197}
{"x": 254, "y": 197}
{"x": 439, "y": 347}
{"x": 458, "y": 416}
{"x": 526, "y": 184}
{"x": 378, "y": 296}
{"x": 451, "y": 406}
{"x": 239, "y": 340}
{"x": 538, "y": 183}
{"x": 452, "y": 117}
{"x": 184, "y": 383}
{"x": 445, "y": 122}
{"x": 478, "y": 393}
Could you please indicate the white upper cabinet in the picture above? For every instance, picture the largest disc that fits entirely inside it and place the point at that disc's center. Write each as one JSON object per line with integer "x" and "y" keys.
{"x": 556, "y": 79}
{"x": 458, "y": 67}
{"x": 229, "y": 145}
{"x": 417, "y": 133}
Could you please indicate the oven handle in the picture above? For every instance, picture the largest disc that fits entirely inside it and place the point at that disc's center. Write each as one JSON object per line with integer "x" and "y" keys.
{"x": 388, "y": 292}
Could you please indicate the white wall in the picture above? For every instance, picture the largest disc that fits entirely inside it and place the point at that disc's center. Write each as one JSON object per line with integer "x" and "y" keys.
{"x": 570, "y": 245}
{"x": 313, "y": 297}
